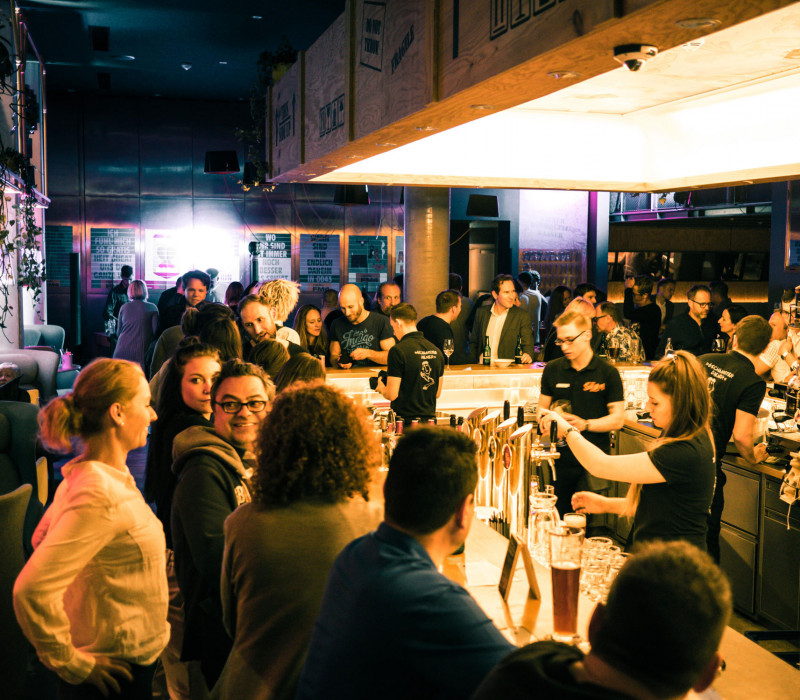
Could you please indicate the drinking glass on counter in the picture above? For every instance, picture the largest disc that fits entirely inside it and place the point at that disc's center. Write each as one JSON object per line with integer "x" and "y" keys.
{"x": 448, "y": 348}
{"x": 565, "y": 572}
{"x": 544, "y": 515}
{"x": 613, "y": 349}
{"x": 575, "y": 520}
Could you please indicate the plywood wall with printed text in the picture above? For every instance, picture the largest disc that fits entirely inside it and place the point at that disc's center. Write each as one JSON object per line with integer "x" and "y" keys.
{"x": 286, "y": 119}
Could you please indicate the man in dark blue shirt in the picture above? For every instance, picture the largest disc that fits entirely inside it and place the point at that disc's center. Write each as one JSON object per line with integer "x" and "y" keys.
{"x": 693, "y": 331}
{"x": 391, "y": 626}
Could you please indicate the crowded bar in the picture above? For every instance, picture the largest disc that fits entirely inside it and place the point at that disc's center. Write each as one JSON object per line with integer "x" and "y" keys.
{"x": 403, "y": 349}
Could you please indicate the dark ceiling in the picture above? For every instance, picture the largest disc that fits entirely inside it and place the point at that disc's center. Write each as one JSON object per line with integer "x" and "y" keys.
{"x": 163, "y": 34}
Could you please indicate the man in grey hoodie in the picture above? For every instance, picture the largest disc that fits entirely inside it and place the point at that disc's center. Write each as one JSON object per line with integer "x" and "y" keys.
{"x": 213, "y": 467}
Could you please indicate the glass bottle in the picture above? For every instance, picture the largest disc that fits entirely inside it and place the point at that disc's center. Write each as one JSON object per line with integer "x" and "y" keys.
{"x": 518, "y": 352}
{"x": 487, "y": 352}
{"x": 669, "y": 351}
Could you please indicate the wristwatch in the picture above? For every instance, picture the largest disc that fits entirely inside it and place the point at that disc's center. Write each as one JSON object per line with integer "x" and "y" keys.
{"x": 571, "y": 429}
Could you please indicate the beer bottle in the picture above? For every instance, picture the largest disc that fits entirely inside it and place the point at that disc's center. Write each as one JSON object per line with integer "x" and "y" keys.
{"x": 487, "y": 352}
{"x": 518, "y": 352}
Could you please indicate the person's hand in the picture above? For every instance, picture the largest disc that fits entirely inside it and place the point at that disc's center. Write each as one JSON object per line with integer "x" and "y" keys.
{"x": 760, "y": 452}
{"x": 548, "y": 417}
{"x": 588, "y": 502}
{"x": 106, "y": 674}
{"x": 526, "y": 358}
{"x": 629, "y": 282}
{"x": 344, "y": 365}
{"x": 360, "y": 354}
{"x": 573, "y": 420}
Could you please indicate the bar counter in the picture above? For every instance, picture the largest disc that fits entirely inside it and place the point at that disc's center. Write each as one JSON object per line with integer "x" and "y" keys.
{"x": 751, "y": 671}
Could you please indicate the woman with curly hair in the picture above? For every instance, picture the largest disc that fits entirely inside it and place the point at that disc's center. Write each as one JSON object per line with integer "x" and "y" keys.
{"x": 316, "y": 452}
{"x": 309, "y": 326}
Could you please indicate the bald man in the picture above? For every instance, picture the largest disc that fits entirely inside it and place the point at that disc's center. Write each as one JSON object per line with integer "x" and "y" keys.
{"x": 360, "y": 337}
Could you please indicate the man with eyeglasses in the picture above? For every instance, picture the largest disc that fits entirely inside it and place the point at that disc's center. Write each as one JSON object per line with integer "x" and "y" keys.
{"x": 608, "y": 323}
{"x": 588, "y": 392}
{"x": 213, "y": 467}
{"x": 693, "y": 331}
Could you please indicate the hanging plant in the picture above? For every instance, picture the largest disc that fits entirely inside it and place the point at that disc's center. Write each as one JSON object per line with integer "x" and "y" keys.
{"x": 271, "y": 66}
{"x": 7, "y": 259}
{"x": 30, "y": 269}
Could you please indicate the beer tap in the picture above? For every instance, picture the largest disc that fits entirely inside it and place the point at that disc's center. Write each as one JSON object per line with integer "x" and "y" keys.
{"x": 539, "y": 453}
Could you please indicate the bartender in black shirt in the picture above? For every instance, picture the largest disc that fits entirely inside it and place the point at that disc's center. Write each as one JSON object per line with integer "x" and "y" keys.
{"x": 436, "y": 327}
{"x": 736, "y": 391}
{"x": 593, "y": 390}
{"x": 414, "y": 370}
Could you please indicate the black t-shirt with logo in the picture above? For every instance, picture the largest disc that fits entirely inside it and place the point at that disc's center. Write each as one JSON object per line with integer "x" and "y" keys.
{"x": 435, "y": 330}
{"x": 368, "y": 334}
{"x": 588, "y": 390}
{"x": 733, "y": 384}
{"x": 420, "y": 365}
{"x": 677, "y": 509}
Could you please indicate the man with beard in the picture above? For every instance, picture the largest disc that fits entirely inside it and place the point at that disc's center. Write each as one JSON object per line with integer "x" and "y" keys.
{"x": 258, "y": 322}
{"x": 693, "y": 331}
{"x": 362, "y": 337}
{"x": 387, "y": 297}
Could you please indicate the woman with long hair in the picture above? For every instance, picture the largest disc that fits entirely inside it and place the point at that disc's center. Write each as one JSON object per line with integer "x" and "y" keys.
{"x": 727, "y": 322}
{"x": 672, "y": 483}
{"x": 309, "y": 326}
{"x": 92, "y": 599}
{"x": 300, "y": 368}
{"x": 137, "y": 324}
{"x": 310, "y": 491}
{"x": 184, "y": 401}
{"x": 233, "y": 294}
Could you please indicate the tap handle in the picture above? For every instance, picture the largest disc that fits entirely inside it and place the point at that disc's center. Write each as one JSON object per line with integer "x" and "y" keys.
{"x": 553, "y": 432}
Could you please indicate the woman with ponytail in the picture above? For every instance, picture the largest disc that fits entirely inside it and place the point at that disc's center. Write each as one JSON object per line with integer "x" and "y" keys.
{"x": 92, "y": 599}
{"x": 672, "y": 483}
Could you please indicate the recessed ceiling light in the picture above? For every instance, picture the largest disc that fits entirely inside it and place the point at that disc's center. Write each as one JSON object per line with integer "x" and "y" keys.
{"x": 487, "y": 107}
{"x": 698, "y": 23}
{"x": 353, "y": 157}
{"x": 257, "y": 17}
{"x": 562, "y": 74}
{"x": 186, "y": 66}
{"x": 426, "y": 128}
{"x": 330, "y": 167}
{"x": 124, "y": 58}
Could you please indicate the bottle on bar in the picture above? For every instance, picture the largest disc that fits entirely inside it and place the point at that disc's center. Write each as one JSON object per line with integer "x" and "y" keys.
{"x": 518, "y": 352}
{"x": 487, "y": 352}
{"x": 669, "y": 351}
{"x": 453, "y": 423}
{"x": 460, "y": 427}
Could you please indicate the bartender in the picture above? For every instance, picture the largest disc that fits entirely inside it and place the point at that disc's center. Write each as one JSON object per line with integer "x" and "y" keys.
{"x": 587, "y": 391}
{"x": 415, "y": 367}
{"x": 736, "y": 392}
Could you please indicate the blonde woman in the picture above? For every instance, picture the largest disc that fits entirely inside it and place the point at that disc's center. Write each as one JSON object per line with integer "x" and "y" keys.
{"x": 92, "y": 599}
{"x": 137, "y": 324}
{"x": 672, "y": 484}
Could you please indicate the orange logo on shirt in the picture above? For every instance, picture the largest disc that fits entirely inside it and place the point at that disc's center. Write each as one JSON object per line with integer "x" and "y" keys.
{"x": 594, "y": 387}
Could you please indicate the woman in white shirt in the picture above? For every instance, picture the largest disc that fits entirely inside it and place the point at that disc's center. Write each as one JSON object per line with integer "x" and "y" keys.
{"x": 92, "y": 599}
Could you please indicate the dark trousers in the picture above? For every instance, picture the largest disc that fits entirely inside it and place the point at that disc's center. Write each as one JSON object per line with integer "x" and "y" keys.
{"x": 715, "y": 516}
{"x": 569, "y": 473}
{"x": 138, "y": 689}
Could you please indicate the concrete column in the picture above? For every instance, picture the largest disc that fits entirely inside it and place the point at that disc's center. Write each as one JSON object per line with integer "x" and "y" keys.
{"x": 427, "y": 246}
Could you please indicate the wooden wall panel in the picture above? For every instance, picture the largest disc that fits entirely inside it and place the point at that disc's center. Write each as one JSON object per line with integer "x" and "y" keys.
{"x": 392, "y": 57}
{"x": 287, "y": 119}
{"x": 485, "y": 38}
{"x": 327, "y": 115}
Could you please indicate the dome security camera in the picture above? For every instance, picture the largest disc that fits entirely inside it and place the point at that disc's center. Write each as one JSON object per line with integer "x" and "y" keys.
{"x": 634, "y": 56}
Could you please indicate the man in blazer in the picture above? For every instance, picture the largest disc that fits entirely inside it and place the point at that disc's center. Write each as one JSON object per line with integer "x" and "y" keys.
{"x": 504, "y": 323}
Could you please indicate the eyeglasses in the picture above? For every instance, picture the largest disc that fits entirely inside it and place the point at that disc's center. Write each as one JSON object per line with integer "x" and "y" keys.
{"x": 597, "y": 318}
{"x": 255, "y": 406}
{"x": 568, "y": 341}
{"x": 706, "y": 305}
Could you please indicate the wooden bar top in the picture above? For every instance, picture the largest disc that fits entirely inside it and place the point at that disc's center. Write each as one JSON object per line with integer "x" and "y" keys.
{"x": 751, "y": 672}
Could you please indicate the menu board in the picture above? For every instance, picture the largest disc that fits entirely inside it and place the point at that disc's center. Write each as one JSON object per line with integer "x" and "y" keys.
{"x": 319, "y": 262}
{"x": 110, "y": 249}
{"x": 57, "y": 246}
{"x": 274, "y": 255}
{"x": 368, "y": 260}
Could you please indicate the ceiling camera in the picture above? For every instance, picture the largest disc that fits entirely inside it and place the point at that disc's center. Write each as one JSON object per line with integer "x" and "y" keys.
{"x": 633, "y": 56}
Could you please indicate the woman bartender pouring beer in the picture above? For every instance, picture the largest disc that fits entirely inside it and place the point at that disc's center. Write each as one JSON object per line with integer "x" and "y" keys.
{"x": 672, "y": 483}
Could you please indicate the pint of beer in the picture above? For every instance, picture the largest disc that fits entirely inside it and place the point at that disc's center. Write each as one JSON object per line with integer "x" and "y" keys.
{"x": 565, "y": 570}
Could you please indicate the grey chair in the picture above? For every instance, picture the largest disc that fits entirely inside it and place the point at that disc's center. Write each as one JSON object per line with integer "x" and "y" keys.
{"x": 39, "y": 370}
{"x": 16, "y": 650}
{"x": 50, "y": 335}
{"x": 18, "y": 463}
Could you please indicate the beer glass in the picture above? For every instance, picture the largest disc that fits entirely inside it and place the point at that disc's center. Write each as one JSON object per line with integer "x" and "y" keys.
{"x": 565, "y": 572}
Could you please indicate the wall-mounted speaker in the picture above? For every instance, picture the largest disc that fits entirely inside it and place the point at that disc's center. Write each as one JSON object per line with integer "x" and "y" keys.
{"x": 482, "y": 205}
